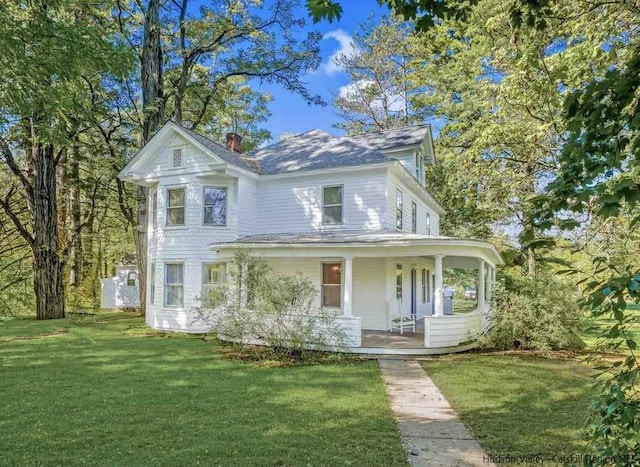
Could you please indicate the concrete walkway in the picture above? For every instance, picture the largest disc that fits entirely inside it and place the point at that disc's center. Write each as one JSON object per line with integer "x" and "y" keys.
{"x": 429, "y": 428}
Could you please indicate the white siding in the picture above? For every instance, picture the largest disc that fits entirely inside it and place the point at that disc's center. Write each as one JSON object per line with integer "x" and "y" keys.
{"x": 247, "y": 206}
{"x": 193, "y": 160}
{"x": 450, "y": 331}
{"x": 294, "y": 204}
{"x": 369, "y": 292}
{"x": 409, "y": 193}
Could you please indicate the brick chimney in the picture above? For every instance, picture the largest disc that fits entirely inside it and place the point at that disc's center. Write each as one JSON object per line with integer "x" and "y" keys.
{"x": 233, "y": 142}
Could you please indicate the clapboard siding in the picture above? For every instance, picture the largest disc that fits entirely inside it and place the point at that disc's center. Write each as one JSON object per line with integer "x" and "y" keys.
{"x": 294, "y": 204}
{"x": 193, "y": 160}
{"x": 450, "y": 331}
{"x": 369, "y": 288}
{"x": 409, "y": 194}
{"x": 247, "y": 206}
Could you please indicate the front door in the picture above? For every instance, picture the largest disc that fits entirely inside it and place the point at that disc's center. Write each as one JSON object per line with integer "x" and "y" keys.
{"x": 413, "y": 293}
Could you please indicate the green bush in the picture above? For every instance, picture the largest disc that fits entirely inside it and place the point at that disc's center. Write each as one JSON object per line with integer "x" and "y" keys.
{"x": 534, "y": 313}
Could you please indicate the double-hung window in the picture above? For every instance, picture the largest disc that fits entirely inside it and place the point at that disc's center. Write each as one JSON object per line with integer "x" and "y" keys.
{"x": 332, "y": 197}
{"x": 154, "y": 209}
{"x": 331, "y": 284}
{"x": 414, "y": 217}
{"x": 175, "y": 206}
{"x": 152, "y": 281}
{"x": 399, "y": 281}
{"x": 174, "y": 284}
{"x": 215, "y": 206}
{"x": 398, "y": 209}
{"x": 428, "y": 224}
{"x": 213, "y": 276}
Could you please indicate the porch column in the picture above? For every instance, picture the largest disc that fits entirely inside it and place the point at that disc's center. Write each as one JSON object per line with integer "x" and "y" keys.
{"x": 348, "y": 286}
{"x": 481, "y": 284}
{"x": 438, "y": 295}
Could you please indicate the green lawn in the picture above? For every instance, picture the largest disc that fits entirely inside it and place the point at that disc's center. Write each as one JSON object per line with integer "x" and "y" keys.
{"x": 516, "y": 404}
{"x": 106, "y": 391}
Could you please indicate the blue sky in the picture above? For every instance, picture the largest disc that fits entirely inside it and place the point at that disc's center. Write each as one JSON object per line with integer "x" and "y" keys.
{"x": 290, "y": 113}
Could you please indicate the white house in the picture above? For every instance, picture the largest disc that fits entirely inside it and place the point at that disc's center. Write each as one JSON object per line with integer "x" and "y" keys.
{"x": 351, "y": 213}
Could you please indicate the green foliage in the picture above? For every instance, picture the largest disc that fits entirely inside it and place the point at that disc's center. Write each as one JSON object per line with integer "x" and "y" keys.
{"x": 534, "y": 313}
{"x": 257, "y": 304}
{"x": 378, "y": 96}
{"x": 324, "y": 9}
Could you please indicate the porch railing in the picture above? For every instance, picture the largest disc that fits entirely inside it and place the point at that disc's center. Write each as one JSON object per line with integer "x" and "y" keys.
{"x": 454, "y": 330}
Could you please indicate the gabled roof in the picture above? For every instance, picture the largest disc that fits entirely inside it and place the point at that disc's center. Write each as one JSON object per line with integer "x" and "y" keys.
{"x": 219, "y": 150}
{"x": 314, "y": 150}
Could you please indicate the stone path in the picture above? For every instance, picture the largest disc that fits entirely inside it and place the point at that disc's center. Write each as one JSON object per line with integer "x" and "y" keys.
{"x": 429, "y": 428}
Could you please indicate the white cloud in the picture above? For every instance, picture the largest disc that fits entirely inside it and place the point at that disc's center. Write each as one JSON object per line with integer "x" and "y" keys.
{"x": 346, "y": 48}
{"x": 351, "y": 91}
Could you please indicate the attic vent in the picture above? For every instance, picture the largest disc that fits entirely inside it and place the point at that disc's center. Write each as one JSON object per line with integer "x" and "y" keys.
{"x": 177, "y": 157}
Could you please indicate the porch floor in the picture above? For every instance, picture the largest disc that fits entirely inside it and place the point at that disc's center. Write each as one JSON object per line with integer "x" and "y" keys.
{"x": 392, "y": 340}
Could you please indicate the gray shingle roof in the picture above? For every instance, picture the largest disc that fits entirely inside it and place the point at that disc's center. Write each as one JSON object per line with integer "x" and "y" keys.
{"x": 314, "y": 150}
{"x": 405, "y": 136}
{"x": 223, "y": 153}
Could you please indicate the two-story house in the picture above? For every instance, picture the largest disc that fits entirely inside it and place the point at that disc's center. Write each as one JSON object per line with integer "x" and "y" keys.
{"x": 350, "y": 213}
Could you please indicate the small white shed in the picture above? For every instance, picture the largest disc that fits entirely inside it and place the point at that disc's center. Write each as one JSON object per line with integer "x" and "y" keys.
{"x": 121, "y": 291}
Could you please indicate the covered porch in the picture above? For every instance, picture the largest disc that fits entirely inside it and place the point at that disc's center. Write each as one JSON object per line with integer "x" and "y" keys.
{"x": 369, "y": 280}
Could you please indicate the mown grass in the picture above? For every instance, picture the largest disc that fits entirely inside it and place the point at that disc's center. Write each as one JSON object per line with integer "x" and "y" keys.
{"x": 518, "y": 405}
{"x": 105, "y": 390}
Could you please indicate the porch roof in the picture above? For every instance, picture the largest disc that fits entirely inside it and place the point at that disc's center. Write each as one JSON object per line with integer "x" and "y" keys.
{"x": 370, "y": 244}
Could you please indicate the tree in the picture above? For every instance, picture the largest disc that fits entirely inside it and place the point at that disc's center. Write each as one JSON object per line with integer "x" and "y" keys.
{"x": 379, "y": 94}
{"x": 50, "y": 46}
{"x": 195, "y": 69}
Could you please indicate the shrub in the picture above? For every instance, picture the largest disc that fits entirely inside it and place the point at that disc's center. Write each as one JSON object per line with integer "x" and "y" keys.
{"x": 258, "y": 304}
{"x": 536, "y": 312}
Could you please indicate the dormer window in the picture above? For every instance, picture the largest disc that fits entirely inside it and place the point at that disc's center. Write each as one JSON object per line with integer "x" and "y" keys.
{"x": 177, "y": 157}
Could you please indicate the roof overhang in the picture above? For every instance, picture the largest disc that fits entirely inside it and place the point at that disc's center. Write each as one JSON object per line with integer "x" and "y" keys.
{"x": 456, "y": 252}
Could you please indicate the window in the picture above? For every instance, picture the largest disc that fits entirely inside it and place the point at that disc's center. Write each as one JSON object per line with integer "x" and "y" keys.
{"x": 414, "y": 217}
{"x": 331, "y": 284}
{"x": 428, "y": 224}
{"x": 174, "y": 284}
{"x": 177, "y": 157}
{"x": 398, "y": 210}
{"x": 131, "y": 279}
{"x": 399, "y": 281}
{"x": 175, "y": 206}
{"x": 428, "y": 286}
{"x": 215, "y": 206}
{"x": 332, "y": 205}
{"x": 424, "y": 286}
{"x": 213, "y": 276}
{"x": 420, "y": 167}
{"x": 154, "y": 209}
{"x": 152, "y": 282}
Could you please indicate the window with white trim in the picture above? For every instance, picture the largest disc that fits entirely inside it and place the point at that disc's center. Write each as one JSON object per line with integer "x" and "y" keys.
{"x": 174, "y": 284}
{"x": 213, "y": 276}
{"x": 331, "y": 284}
{"x": 154, "y": 209}
{"x": 152, "y": 282}
{"x": 215, "y": 206}
{"x": 428, "y": 224}
{"x": 414, "y": 217}
{"x": 332, "y": 201}
{"x": 398, "y": 209}
{"x": 399, "y": 281}
{"x": 177, "y": 157}
{"x": 175, "y": 206}
{"x": 424, "y": 285}
{"x": 131, "y": 279}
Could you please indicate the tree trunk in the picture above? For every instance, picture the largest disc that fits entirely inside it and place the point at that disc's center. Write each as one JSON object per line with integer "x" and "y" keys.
{"x": 153, "y": 117}
{"x": 48, "y": 265}
{"x": 75, "y": 271}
